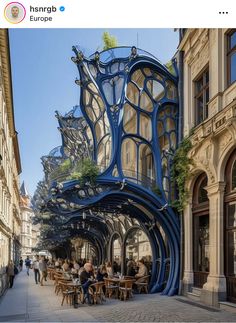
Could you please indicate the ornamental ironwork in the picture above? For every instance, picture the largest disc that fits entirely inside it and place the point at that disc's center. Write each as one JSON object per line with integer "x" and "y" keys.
{"x": 127, "y": 124}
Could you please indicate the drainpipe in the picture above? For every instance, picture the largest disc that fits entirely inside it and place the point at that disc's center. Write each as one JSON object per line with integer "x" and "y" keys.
{"x": 180, "y": 138}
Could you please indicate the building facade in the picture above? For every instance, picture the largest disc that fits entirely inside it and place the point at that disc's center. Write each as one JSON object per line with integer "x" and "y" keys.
{"x": 209, "y": 101}
{"x": 10, "y": 167}
{"x": 29, "y": 232}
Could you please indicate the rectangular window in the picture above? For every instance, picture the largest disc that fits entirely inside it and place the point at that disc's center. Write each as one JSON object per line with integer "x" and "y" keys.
{"x": 231, "y": 56}
{"x": 201, "y": 97}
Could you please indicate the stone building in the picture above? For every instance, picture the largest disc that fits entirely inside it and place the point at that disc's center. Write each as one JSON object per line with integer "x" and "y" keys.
{"x": 10, "y": 167}
{"x": 209, "y": 111}
{"x": 28, "y": 232}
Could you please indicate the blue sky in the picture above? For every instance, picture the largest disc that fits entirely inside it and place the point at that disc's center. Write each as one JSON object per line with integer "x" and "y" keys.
{"x": 43, "y": 81}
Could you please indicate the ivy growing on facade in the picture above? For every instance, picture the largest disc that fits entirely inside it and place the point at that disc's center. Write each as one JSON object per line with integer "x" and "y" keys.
{"x": 180, "y": 172}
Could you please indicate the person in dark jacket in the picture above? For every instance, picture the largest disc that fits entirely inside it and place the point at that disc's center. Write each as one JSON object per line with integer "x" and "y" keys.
{"x": 86, "y": 278}
{"x": 11, "y": 271}
{"x": 21, "y": 263}
{"x": 27, "y": 265}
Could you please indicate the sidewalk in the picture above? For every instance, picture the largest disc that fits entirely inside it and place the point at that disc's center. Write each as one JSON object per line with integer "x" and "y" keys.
{"x": 28, "y": 302}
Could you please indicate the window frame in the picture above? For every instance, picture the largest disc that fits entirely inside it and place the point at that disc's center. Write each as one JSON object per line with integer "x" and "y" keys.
{"x": 230, "y": 52}
{"x": 202, "y": 92}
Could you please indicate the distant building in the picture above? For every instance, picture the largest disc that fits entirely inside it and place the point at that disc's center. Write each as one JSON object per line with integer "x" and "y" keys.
{"x": 10, "y": 168}
{"x": 29, "y": 232}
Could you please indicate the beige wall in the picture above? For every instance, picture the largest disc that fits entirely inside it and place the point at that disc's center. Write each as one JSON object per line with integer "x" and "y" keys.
{"x": 213, "y": 141}
{"x": 10, "y": 168}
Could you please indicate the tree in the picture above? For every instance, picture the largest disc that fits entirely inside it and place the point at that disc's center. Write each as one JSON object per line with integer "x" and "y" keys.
{"x": 109, "y": 41}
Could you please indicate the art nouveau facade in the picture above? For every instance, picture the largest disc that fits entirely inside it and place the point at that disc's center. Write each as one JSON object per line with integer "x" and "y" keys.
{"x": 10, "y": 167}
{"x": 209, "y": 69}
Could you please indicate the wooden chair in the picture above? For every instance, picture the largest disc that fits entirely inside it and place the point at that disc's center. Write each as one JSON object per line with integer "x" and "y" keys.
{"x": 68, "y": 293}
{"x": 125, "y": 288}
{"x": 142, "y": 284}
{"x": 111, "y": 287}
{"x": 60, "y": 284}
{"x": 96, "y": 292}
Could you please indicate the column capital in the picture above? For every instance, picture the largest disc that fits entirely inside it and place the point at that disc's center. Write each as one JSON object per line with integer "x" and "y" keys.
{"x": 215, "y": 188}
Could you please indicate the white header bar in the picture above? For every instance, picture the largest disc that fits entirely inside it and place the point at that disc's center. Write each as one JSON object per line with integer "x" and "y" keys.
{"x": 117, "y": 14}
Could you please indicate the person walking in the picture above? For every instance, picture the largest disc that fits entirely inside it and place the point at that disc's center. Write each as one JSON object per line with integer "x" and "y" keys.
{"x": 27, "y": 264}
{"x": 43, "y": 270}
{"x": 21, "y": 263}
{"x": 11, "y": 271}
{"x": 36, "y": 270}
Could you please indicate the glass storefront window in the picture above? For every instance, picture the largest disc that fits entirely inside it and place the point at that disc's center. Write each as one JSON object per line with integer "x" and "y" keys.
{"x": 231, "y": 265}
{"x": 231, "y": 218}
{"x": 201, "y": 243}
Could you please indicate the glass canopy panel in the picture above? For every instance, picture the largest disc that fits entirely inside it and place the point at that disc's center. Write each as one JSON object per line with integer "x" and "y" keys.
{"x": 118, "y": 84}
{"x": 145, "y": 102}
{"x": 173, "y": 141}
{"x": 90, "y": 114}
{"x": 160, "y": 128}
{"x": 145, "y": 127}
{"x": 156, "y": 89}
{"x": 146, "y": 165}
{"x": 93, "y": 70}
{"x": 129, "y": 158}
{"x": 138, "y": 78}
{"x": 114, "y": 68}
{"x": 86, "y": 97}
{"x": 104, "y": 153}
{"x": 129, "y": 119}
{"x": 147, "y": 71}
{"x": 164, "y": 142}
{"x": 99, "y": 130}
{"x": 169, "y": 124}
{"x": 92, "y": 87}
{"x": 108, "y": 91}
{"x": 171, "y": 91}
{"x": 132, "y": 94}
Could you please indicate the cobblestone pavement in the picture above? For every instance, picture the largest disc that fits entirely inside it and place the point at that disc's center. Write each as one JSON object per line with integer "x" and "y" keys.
{"x": 28, "y": 302}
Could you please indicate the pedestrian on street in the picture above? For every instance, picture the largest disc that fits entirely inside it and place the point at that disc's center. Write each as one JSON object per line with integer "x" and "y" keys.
{"x": 21, "y": 263}
{"x": 36, "y": 270}
{"x": 11, "y": 271}
{"x": 43, "y": 269}
{"x": 27, "y": 264}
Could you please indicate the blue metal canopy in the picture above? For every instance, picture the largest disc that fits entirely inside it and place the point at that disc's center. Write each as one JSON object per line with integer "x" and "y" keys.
{"x": 127, "y": 123}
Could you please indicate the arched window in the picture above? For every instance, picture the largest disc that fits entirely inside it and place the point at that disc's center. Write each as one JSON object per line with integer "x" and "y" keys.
{"x": 200, "y": 231}
{"x": 230, "y": 227}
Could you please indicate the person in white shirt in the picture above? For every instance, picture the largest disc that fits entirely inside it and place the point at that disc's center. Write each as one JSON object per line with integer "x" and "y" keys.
{"x": 36, "y": 270}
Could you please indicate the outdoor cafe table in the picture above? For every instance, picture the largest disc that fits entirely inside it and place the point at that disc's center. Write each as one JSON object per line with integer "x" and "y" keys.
{"x": 120, "y": 281}
{"x": 76, "y": 287}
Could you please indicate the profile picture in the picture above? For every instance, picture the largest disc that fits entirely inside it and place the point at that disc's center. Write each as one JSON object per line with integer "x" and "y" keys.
{"x": 14, "y": 12}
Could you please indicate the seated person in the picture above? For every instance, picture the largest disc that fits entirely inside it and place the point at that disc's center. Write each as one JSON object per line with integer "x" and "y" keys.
{"x": 131, "y": 268}
{"x": 102, "y": 273}
{"x": 109, "y": 269}
{"x": 86, "y": 277}
{"x": 66, "y": 266}
{"x": 142, "y": 269}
